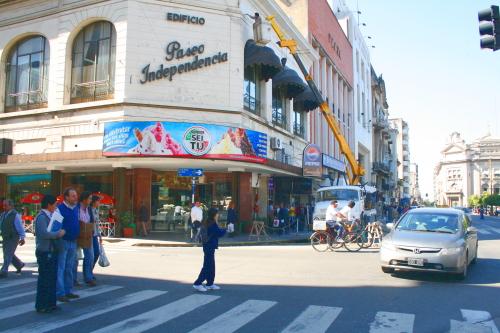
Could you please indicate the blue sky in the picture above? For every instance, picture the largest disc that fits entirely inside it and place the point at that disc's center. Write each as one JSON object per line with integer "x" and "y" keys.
{"x": 437, "y": 77}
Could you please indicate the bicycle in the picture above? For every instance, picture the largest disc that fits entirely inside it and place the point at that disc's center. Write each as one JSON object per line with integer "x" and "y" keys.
{"x": 328, "y": 238}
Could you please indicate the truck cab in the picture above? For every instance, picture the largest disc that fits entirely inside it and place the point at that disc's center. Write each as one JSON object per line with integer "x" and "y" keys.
{"x": 364, "y": 197}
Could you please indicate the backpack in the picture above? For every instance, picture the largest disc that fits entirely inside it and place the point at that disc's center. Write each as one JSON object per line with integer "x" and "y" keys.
{"x": 202, "y": 236}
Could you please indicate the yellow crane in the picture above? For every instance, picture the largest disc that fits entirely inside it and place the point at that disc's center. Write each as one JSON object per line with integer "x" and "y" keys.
{"x": 356, "y": 170}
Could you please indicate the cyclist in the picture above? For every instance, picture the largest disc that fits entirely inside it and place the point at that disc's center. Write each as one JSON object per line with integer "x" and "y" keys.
{"x": 344, "y": 216}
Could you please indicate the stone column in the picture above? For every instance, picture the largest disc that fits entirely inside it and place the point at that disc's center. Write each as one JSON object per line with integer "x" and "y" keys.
{"x": 120, "y": 191}
{"x": 142, "y": 191}
{"x": 3, "y": 185}
{"x": 245, "y": 197}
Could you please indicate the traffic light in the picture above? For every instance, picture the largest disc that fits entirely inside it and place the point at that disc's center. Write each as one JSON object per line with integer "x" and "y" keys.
{"x": 489, "y": 28}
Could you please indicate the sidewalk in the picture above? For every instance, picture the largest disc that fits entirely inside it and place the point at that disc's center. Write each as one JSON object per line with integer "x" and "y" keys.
{"x": 158, "y": 239}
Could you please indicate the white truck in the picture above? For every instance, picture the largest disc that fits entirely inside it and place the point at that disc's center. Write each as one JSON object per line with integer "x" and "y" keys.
{"x": 365, "y": 198}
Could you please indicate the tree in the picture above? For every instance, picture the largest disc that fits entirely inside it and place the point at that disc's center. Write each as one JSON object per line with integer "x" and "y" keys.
{"x": 474, "y": 200}
{"x": 492, "y": 200}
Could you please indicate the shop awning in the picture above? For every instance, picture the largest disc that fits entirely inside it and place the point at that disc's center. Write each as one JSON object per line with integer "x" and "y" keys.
{"x": 289, "y": 80}
{"x": 305, "y": 101}
{"x": 263, "y": 56}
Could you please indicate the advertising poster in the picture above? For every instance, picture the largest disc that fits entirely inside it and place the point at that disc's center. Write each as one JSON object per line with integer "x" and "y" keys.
{"x": 312, "y": 161}
{"x": 188, "y": 140}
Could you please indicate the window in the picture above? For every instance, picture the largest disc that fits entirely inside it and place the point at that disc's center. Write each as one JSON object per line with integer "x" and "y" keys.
{"x": 279, "y": 108}
{"x": 27, "y": 75}
{"x": 298, "y": 123}
{"x": 251, "y": 91}
{"x": 93, "y": 63}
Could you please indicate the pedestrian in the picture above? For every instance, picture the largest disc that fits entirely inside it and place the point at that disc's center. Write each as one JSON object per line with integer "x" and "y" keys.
{"x": 85, "y": 239}
{"x": 232, "y": 218}
{"x": 332, "y": 213}
{"x": 209, "y": 246}
{"x": 196, "y": 218}
{"x": 96, "y": 237}
{"x": 481, "y": 213}
{"x": 67, "y": 257}
{"x": 283, "y": 217}
{"x": 143, "y": 218}
{"x": 46, "y": 257}
{"x": 13, "y": 234}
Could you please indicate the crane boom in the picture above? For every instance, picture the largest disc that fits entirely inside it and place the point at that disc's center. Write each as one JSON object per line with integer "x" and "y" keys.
{"x": 356, "y": 170}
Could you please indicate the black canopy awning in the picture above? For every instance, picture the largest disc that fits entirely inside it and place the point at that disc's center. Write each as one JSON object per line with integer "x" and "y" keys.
{"x": 305, "y": 101}
{"x": 263, "y": 56}
{"x": 289, "y": 80}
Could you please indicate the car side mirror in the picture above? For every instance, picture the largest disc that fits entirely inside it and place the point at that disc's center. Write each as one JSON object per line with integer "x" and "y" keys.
{"x": 471, "y": 230}
{"x": 390, "y": 226}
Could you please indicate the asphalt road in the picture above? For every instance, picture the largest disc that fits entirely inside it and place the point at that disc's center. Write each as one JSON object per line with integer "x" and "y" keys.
{"x": 265, "y": 289}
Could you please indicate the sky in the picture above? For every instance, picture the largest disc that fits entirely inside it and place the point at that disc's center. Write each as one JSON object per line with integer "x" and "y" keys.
{"x": 436, "y": 76}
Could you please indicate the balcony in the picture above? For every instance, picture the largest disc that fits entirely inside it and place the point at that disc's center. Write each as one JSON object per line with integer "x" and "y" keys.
{"x": 381, "y": 167}
{"x": 380, "y": 122}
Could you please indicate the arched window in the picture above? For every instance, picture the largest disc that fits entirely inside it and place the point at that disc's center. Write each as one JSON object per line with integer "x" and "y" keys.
{"x": 93, "y": 63}
{"x": 27, "y": 75}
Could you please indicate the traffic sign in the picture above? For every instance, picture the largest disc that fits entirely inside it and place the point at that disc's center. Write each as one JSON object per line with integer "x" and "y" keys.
{"x": 190, "y": 172}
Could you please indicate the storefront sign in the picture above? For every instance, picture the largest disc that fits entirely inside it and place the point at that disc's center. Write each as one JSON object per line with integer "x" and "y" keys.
{"x": 332, "y": 163}
{"x": 187, "y": 140}
{"x": 185, "y": 172}
{"x": 312, "y": 166}
{"x": 181, "y": 18}
{"x": 175, "y": 51}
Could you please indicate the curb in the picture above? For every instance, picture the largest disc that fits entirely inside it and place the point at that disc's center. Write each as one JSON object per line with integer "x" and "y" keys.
{"x": 234, "y": 244}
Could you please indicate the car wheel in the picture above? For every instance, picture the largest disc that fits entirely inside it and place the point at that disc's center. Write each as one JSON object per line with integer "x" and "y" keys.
{"x": 387, "y": 270}
{"x": 463, "y": 274}
{"x": 475, "y": 256}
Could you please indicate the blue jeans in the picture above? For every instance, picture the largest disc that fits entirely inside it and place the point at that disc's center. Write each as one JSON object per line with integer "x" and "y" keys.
{"x": 65, "y": 267}
{"x": 88, "y": 264}
{"x": 97, "y": 251}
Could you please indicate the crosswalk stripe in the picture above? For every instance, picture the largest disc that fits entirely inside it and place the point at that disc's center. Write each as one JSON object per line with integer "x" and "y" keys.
{"x": 88, "y": 312}
{"x": 236, "y": 317}
{"x": 465, "y": 327}
{"x": 3, "y": 299}
{"x": 158, "y": 316}
{"x": 315, "y": 319}
{"x": 392, "y": 322}
{"x": 27, "y": 307}
{"x": 482, "y": 318}
{"x": 485, "y": 232}
{"x": 14, "y": 283}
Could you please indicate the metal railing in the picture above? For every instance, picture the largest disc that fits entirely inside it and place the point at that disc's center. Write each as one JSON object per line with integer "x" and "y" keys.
{"x": 298, "y": 129}
{"x": 251, "y": 103}
{"x": 279, "y": 119}
{"x": 91, "y": 91}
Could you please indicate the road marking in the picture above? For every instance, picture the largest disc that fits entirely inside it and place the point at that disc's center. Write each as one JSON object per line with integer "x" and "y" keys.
{"x": 2, "y": 299}
{"x": 14, "y": 283}
{"x": 235, "y": 318}
{"x": 315, "y": 319}
{"x": 88, "y": 312}
{"x": 464, "y": 327}
{"x": 392, "y": 322}
{"x": 156, "y": 317}
{"x": 27, "y": 307}
{"x": 479, "y": 318}
{"x": 485, "y": 232}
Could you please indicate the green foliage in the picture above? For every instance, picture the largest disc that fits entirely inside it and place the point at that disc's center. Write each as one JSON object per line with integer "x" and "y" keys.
{"x": 492, "y": 200}
{"x": 474, "y": 200}
{"x": 127, "y": 219}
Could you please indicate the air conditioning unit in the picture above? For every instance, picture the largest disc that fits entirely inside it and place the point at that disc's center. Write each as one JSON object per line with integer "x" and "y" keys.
{"x": 276, "y": 144}
{"x": 5, "y": 146}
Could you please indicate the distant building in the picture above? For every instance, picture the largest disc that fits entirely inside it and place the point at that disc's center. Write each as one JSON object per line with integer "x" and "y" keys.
{"x": 467, "y": 169}
{"x": 416, "y": 196}
{"x": 403, "y": 148}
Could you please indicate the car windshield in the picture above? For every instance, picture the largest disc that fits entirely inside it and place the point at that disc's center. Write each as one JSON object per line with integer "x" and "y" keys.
{"x": 337, "y": 194}
{"x": 429, "y": 222}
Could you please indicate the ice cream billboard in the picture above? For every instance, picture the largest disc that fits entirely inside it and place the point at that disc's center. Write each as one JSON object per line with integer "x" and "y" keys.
{"x": 188, "y": 140}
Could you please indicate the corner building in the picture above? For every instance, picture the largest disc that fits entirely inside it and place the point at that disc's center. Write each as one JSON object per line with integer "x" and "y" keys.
{"x": 116, "y": 96}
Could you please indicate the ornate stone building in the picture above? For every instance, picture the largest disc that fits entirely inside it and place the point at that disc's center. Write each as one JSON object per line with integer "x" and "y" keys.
{"x": 467, "y": 169}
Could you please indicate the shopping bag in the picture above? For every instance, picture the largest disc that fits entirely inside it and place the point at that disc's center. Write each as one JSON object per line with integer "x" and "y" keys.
{"x": 103, "y": 259}
{"x": 230, "y": 228}
{"x": 276, "y": 223}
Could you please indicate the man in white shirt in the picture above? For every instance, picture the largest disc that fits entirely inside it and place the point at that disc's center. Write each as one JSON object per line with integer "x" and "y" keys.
{"x": 332, "y": 213}
{"x": 196, "y": 218}
{"x": 346, "y": 212}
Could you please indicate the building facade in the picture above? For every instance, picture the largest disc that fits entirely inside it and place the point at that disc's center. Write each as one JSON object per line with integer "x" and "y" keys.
{"x": 467, "y": 169}
{"x": 403, "y": 150}
{"x": 117, "y": 96}
{"x": 416, "y": 196}
{"x": 333, "y": 75}
{"x": 362, "y": 86}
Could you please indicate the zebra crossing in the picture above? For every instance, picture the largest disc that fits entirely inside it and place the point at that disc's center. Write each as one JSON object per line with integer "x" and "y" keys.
{"x": 104, "y": 300}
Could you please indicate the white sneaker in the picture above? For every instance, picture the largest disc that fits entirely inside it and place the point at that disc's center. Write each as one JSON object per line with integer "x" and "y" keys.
{"x": 212, "y": 287}
{"x": 199, "y": 287}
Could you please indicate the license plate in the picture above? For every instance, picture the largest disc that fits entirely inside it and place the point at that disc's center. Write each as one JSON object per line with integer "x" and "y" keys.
{"x": 415, "y": 262}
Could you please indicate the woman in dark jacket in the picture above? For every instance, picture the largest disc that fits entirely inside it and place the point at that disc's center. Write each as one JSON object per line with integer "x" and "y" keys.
{"x": 46, "y": 257}
{"x": 212, "y": 243}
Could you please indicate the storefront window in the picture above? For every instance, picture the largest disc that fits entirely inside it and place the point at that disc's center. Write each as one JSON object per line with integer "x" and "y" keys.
{"x": 171, "y": 198}
{"x": 93, "y": 182}
{"x": 20, "y": 186}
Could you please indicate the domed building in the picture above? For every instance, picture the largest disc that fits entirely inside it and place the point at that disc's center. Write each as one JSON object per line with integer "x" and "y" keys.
{"x": 467, "y": 169}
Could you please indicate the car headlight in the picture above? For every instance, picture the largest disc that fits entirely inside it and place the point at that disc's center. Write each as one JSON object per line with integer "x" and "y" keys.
{"x": 388, "y": 246}
{"x": 451, "y": 250}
